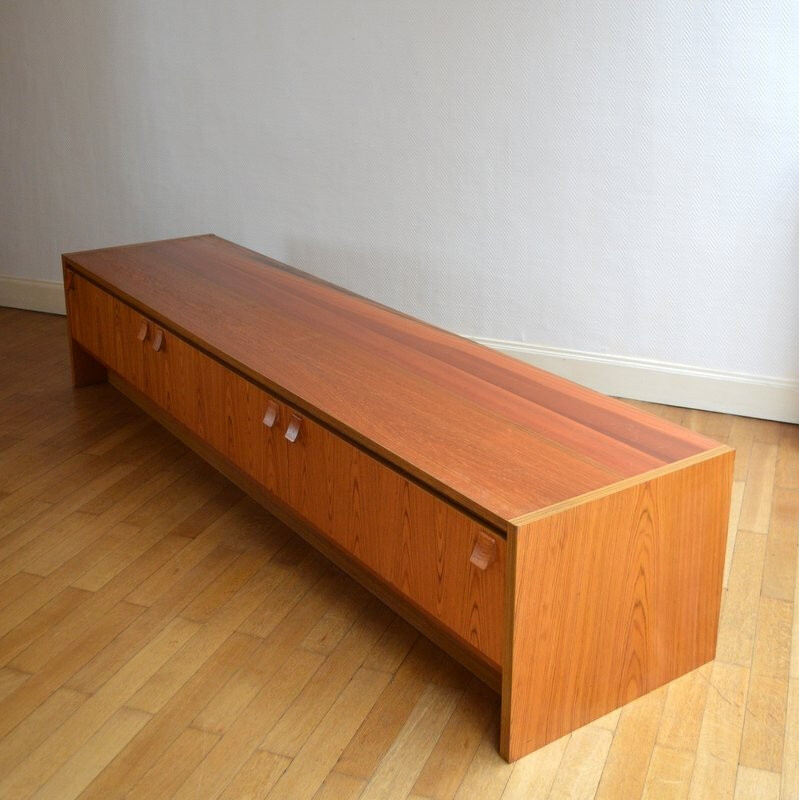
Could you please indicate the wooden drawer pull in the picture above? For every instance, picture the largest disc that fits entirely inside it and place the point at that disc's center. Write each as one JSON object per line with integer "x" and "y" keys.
{"x": 69, "y": 281}
{"x": 271, "y": 415}
{"x": 293, "y": 431}
{"x": 158, "y": 340}
{"x": 142, "y": 335}
{"x": 484, "y": 552}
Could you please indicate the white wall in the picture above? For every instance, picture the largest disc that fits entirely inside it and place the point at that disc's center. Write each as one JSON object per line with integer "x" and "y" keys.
{"x": 597, "y": 177}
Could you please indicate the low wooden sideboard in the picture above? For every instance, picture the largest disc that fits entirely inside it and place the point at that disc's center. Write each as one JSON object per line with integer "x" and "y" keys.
{"x": 565, "y": 546}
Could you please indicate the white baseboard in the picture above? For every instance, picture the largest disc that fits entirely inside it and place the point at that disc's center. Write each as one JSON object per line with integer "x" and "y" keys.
{"x": 45, "y": 296}
{"x": 663, "y": 382}
{"x": 620, "y": 376}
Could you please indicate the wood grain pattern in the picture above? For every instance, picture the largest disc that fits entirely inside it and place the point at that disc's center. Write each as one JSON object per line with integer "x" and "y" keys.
{"x": 612, "y": 599}
{"x": 409, "y": 455}
{"x": 483, "y": 666}
{"x": 398, "y": 530}
{"x": 537, "y": 439}
{"x": 90, "y": 312}
{"x": 419, "y": 544}
{"x": 402, "y": 533}
{"x": 83, "y": 301}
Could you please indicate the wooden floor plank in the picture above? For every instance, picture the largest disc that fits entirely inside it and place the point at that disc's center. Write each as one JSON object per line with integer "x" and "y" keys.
{"x": 628, "y": 760}
{"x": 532, "y": 777}
{"x": 669, "y": 774}
{"x": 37, "y": 726}
{"x": 757, "y": 784}
{"x": 62, "y": 664}
{"x": 12, "y": 519}
{"x": 737, "y": 493}
{"x": 144, "y": 750}
{"x": 259, "y": 774}
{"x": 786, "y": 466}
{"x": 323, "y": 746}
{"x": 740, "y": 439}
{"x": 609, "y": 721}
{"x": 455, "y": 750}
{"x": 172, "y": 768}
{"x": 682, "y": 715}
{"x": 780, "y": 559}
{"x": 398, "y": 770}
{"x": 271, "y": 656}
{"x": 757, "y": 499}
{"x": 717, "y": 757}
{"x": 97, "y": 474}
{"x": 488, "y": 774}
{"x": 790, "y": 780}
{"x": 97, "y": 542}
{"x": 582, "y": 764}
{"x": 167, "y": 681}
{"x": 739, "y": 613}
{"x": 135, "y": 496}
{"x": 392, "y": 710}
{"x": 16, "y": 586}
{"x": 73, "y": 627}
{"x": 233, "y": 750}
{"x": 122, "y": 546}
{"x": 393, "y": 647}
{"x": 772, "y": 651}
{"x": 40, "y": 623}
{"x": 306, "y": 713}
{"x": 764, "y": 724}
{"x": 10, "y": 681}
{"x": 336, "y": 787}
{"x": 55, "y": 750}
{"x": 80, "y": 769}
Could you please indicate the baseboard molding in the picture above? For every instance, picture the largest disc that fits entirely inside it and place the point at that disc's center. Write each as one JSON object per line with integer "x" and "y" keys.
{"x": 663, "y": 382}
{"x": 620, "y": 376}
{"x": 47, "y": 296}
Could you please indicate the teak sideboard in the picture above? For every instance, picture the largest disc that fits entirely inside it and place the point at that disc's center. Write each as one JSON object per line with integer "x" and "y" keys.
{"x": 568, "y": 548}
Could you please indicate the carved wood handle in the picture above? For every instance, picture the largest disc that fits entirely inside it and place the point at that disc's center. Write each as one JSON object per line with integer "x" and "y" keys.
{"x": 158, "y": 340}
{"x": 69, "y": 281}
{"x": 293, "y": 430}
{"x": 271, "y": 414}
{"x": 484, "y": 552}
{"x": 142, "y": 335}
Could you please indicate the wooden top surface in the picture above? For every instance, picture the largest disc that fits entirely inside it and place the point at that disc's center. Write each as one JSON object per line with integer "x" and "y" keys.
{"x": 499, "y": 436}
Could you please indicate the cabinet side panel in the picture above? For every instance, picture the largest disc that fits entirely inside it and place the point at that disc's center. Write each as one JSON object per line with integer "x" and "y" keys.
{"x": 86, "y": 369}
{"x": 611, "y": 599}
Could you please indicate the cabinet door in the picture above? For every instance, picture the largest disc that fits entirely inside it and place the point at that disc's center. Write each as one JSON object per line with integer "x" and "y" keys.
{"x": 256, "y": 442}
{"x": 224, "y": 409}
{"x": 132, "y": 332}
{"x": 143, "y": 354}
{"x": 192, "y": 387}
{"x": 437, "y": 556}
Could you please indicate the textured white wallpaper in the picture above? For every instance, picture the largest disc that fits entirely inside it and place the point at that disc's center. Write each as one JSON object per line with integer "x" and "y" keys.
{"x": 607, "y": 177}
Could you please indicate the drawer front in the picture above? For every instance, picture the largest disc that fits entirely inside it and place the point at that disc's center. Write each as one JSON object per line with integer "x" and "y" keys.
{"x": 436, "y": 556}
{"x": 440, "y": 558}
